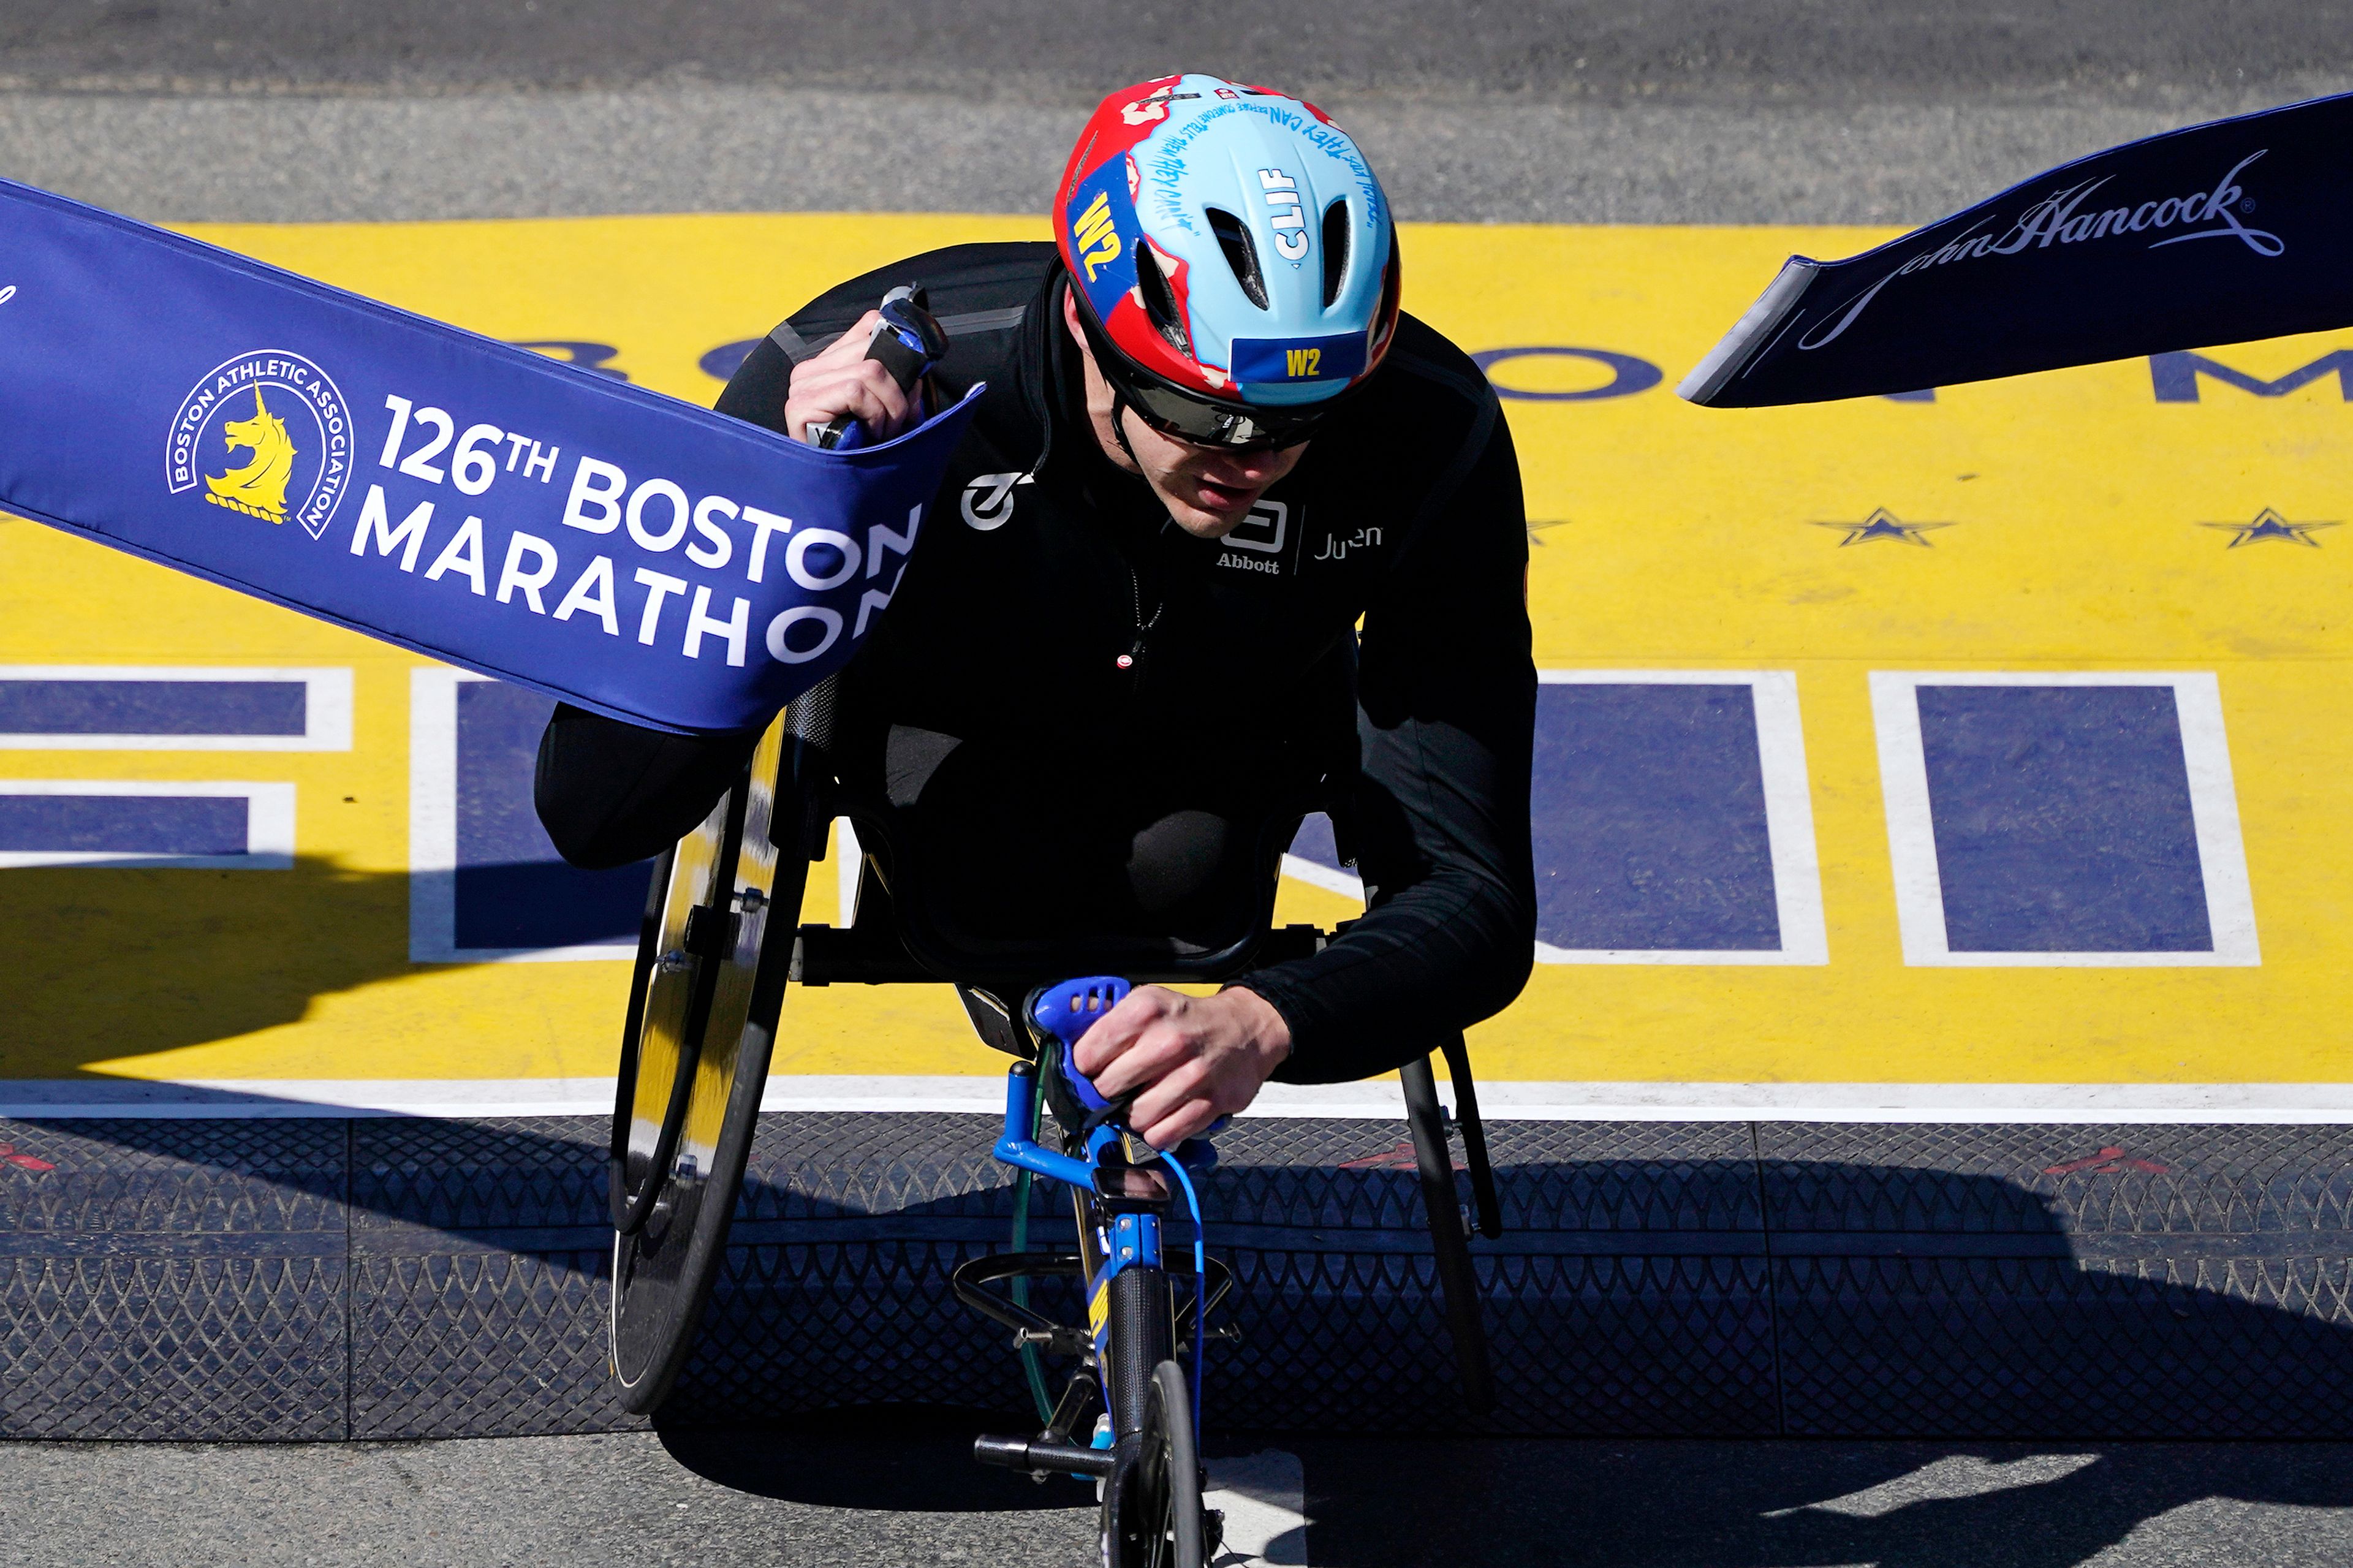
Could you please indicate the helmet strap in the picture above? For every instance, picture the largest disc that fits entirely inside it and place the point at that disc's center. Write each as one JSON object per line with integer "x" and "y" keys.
{"x": 1097, "y": 347}
{"x": 1119, "y": 421}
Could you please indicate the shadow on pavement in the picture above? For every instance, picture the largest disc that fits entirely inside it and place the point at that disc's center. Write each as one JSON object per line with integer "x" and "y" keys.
{"x": 107, "y": 963}
{"x": 886, "y": 1457}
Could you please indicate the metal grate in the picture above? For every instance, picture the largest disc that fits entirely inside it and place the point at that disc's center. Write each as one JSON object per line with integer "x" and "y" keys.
{"x": 406, "y": 1279}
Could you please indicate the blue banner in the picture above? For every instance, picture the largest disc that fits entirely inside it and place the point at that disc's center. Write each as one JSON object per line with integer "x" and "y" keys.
{"x": 2217, "y": 233}
{"x": 476, "y": 502}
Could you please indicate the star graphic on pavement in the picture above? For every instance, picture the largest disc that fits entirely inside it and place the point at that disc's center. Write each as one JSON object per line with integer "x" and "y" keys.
{"x": 1882, "y": 524}
{"x": 2269, "y": 524}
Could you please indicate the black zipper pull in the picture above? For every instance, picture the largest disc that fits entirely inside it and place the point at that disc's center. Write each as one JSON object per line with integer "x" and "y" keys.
{"x": 1133, "y": 657}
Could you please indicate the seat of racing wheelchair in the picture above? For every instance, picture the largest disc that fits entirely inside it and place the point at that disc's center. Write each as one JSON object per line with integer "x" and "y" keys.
{"x": 712, "y": 968}
{"x": 898, "y": 933}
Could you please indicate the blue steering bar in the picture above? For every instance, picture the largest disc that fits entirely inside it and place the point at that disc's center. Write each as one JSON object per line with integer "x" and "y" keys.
{"x": 1067, "y": 1012}
{"x": 1017, "y": 1148}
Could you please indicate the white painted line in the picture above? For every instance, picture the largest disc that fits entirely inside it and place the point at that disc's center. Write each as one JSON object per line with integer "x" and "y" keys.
{"x": 433, "y": 813}
{"x": 269, "y": 825}
{"x": 326, "y": 709}
{"x": 1540, "y": 1101}
{"x": 1316, "y": 875}
{"x": 264, "y": 1100}
{"x": 1912, "y": 831}
{"x": 1789, "y": 819}
{"x": 433, "y": 836}
{"x": 852, "y": 860}
{"x": 2214, "y": 814}
{"x": 1910, "y": 824}
{"x": 1547, "y": 954}
{"x": 1264, "y": 1498}
{"x": 1378, "y": 1101}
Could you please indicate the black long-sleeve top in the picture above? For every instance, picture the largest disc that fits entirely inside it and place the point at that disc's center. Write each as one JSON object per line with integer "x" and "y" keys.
{"x": 1049, "y": 593}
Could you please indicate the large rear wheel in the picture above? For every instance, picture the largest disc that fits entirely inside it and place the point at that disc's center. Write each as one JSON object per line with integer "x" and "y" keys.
{"x": 712, "y": 966}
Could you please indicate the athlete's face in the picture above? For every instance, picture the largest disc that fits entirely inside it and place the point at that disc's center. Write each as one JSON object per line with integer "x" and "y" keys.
{"x": 1209, "y": 491}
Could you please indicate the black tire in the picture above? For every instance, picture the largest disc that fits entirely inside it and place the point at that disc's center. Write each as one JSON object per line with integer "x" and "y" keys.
{"x": 1458, "y": 1276}
{"x": 694, "y": 1064}
{"x": 1152, "y": 1506}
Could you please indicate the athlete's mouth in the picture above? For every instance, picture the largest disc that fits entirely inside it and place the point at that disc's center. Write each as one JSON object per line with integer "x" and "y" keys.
{"x": 1215, "y": 497}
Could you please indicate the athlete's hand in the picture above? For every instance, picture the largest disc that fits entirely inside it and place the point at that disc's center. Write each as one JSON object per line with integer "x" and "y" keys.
{"x": 842, "y": 380}
{"x": 1196, "y": 1057}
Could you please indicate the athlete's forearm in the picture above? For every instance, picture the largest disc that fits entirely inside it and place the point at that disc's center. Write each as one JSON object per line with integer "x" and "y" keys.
{"x": 1440, "y": 825}
{"x": 1450, "y": 938}
{"x": 1394, "y": 990}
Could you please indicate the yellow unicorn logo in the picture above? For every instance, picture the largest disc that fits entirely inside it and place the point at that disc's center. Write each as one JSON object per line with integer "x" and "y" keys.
{"x": 259, "y": 489}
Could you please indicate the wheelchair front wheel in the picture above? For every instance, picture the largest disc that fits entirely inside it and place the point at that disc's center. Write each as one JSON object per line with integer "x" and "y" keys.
{"x": 1152, "y": 1514}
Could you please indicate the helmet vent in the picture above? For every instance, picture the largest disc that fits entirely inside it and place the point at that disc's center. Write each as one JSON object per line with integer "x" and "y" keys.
{"x": 1336, "y": 230}
{"x": 1242, "y": 253}
{"x": 1160, "y": 300}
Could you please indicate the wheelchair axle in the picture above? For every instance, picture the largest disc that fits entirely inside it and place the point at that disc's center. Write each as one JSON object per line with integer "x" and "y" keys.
{"x": 1043, "y": 1458}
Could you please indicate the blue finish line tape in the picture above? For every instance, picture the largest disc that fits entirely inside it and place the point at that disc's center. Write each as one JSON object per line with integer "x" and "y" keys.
{"x": 465, "y": 498}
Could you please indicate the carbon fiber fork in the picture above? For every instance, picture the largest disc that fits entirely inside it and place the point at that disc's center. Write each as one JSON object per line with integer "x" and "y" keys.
{"x": 1140, "y": 1332}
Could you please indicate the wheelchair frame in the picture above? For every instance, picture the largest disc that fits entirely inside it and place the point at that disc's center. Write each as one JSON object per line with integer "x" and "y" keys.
{"x": 712, "y": 972}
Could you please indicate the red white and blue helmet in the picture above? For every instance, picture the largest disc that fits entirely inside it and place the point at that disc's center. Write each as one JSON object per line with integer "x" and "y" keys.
{"x": 1234, "y": 258}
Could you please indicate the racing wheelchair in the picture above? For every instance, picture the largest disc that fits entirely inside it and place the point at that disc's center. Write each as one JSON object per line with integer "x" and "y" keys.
{"x": 720, "y": 947}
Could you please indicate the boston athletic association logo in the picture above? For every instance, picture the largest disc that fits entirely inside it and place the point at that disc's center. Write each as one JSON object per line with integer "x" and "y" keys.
{"x": 266, "y": 435}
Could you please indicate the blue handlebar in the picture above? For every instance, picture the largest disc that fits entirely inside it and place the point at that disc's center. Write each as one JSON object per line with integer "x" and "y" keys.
{"x": 1067, "y": 1012}
{"x": 1017, "y": 1148}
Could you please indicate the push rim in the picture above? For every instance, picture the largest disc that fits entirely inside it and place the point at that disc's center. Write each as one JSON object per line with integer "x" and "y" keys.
{"x": 663, "y": 1273}
{"x": 671, "y": 992}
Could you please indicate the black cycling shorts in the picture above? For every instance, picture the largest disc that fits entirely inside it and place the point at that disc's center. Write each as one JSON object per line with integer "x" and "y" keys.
{"x": 1004, "y": 847}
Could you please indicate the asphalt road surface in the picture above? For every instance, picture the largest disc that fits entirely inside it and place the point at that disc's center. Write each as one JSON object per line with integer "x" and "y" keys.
{"x": 719, "y": 1500}
{"x": 1812, "y": 51}
{"x": 1558, "y": 110}
{"x": 1642, "y": 111}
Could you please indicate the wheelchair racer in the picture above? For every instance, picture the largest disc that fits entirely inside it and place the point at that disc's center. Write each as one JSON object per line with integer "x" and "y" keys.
{"x": 1229, "y": 536}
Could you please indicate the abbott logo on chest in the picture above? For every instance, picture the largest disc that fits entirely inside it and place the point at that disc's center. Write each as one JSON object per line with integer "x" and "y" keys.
{"x": 1264, "y": 530}
{"x": 1263, "y": 533}
{"x": 989, "y": 500}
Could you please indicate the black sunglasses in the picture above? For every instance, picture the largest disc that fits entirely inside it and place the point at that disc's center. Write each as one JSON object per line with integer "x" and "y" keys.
{"x": 1198, "y": 423}
{"x": 1195, "y": 420}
